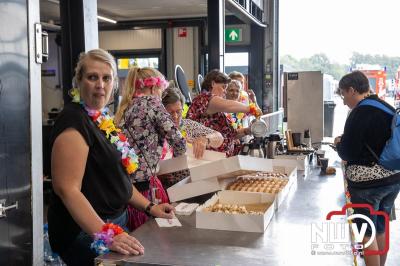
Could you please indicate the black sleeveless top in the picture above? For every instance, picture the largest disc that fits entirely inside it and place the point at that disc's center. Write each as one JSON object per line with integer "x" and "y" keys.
{"x": 105, "y": 183}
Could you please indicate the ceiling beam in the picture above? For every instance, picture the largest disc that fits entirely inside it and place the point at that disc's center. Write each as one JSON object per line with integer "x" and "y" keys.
{"x": 159, "y": 23}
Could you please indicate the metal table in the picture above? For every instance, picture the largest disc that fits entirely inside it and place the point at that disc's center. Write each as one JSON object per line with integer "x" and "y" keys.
{"x": 286, "y": 241}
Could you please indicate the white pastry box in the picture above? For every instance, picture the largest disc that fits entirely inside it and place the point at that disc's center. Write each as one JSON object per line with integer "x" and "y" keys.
{"x": 300, "y": 161}
{"x": 237, "y": 222}
{"x": 186, "y": 189}
{"x": 187, "y": 161}
{"x": 210, "y": 177}
{"x": 281, "y": 195}
{"x": 239, "y": 165}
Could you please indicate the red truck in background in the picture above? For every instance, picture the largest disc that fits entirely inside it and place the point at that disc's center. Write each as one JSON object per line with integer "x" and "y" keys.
{"x": 397, "y": 89}
{"x": 377, "y": 81}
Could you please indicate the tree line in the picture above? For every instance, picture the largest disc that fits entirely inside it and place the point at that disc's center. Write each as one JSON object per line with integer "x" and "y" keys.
{"x": 321, "y": 62}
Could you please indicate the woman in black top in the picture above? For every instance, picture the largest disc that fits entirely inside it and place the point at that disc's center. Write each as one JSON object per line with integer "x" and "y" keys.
{"x": 89, "y": 173}
{"x": 368, "y": 182}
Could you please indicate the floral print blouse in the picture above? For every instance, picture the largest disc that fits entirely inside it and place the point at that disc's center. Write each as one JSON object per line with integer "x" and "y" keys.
{"x": 147, "y": 124}
{"x": 195, "y": 130}
{"x": 218, "y": 121}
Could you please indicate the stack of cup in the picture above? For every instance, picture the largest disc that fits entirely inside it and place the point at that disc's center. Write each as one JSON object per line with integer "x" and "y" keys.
{"x": 324, "y": 164}
{"x": 320, "y": 154}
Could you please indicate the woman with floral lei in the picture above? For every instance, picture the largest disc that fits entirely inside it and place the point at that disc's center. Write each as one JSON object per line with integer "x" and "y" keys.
{"x": 147, "y": 125}
{"x": 247, "y": 96}
{"x": 90, "y": 163}
{"x": 210, "y": 106}
{"x": 233, "y": 93}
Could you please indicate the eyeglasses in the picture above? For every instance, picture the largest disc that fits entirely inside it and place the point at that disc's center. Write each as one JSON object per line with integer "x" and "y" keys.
{"x": 177, "y": 113}
{"x": 224, "y": 85}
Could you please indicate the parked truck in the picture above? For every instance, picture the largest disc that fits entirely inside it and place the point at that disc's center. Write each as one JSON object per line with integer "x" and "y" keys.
{"x": 397, "y": 89}
{"x": 376, "y": 76}
{"x": 377, "y": 81}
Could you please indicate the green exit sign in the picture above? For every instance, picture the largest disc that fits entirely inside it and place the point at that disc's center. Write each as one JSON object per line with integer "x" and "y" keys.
{"x": 233, "y": 35}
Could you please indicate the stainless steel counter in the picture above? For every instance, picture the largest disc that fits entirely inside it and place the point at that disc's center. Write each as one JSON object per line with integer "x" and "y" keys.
{"x": 286, "y": 241}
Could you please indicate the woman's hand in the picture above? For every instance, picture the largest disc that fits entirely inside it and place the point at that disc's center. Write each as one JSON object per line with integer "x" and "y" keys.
{"x": 243, "y": 132}
{"x": 337, "y": 140}
{"x": 127, "y": 245}
{"x": 163, "y": 210}
{"x": 199, "y": 146}
{"x": 252, "y": 96}
{"x": 258, "y": 112}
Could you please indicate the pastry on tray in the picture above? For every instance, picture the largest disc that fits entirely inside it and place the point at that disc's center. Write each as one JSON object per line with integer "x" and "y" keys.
{"x": 231, "y": 209}
{"x": 258, "y": 183}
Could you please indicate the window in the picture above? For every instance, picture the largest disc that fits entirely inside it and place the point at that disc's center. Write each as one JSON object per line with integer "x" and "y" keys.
{"x": 237, "y": 62}
{"x": 125, "y": 63}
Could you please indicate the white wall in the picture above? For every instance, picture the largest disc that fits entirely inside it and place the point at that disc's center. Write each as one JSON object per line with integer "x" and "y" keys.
{"x": 130, "y": 39}
{"x": 185, "y": 50}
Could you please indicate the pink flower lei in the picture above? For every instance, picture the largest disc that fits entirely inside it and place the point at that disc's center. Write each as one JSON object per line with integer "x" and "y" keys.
{"x": 150, "y": 82}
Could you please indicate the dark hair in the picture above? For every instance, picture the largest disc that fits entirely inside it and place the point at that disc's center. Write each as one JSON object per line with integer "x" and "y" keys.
{"x": 216, "y": 76}
{"x": 357, "y": 80}
{"x": 172, "y": 95}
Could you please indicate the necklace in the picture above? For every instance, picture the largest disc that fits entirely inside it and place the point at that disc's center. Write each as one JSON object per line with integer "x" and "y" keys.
{"x": 235, "y": 119}
{"x": 182, "y": 129}
{"x": 105, "y": 123}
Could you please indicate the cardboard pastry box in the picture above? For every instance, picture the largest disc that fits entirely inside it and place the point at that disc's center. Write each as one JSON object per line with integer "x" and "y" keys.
{"x": 238, "y": 165}
{"x": 187, "y": 161}
{"x": 279, "y": 196}
{"x": 301, "y": 161}
{"x": 186, "y": 189}
{"x": 262, "y": 203}
{"x": 224, "y": 171}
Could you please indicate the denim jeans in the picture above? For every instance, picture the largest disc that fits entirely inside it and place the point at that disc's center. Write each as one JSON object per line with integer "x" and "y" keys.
{"x": 380, "y": 198}
{"x": 80, "y": 253}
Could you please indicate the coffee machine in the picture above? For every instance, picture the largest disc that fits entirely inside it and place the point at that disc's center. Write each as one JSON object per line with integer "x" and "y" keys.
{"x": 271, "y": 145}
{"x": 261, "y": 145}
{"x": 255, "y": 147}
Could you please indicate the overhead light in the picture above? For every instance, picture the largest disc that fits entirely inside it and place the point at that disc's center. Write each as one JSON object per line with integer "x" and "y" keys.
{"x": 99, "y": 17}
{"x": 107, "y": 19}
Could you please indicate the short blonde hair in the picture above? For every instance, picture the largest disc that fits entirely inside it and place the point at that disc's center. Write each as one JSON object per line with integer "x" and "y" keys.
{"x": 134, "y": 74}
{"x": 235, "y": 83}
{"x": 236, "y": 75}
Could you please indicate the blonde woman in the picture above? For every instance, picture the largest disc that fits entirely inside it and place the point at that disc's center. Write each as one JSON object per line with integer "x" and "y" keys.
{"x": 91, "y": 185}
{"x": 147, "y": 125}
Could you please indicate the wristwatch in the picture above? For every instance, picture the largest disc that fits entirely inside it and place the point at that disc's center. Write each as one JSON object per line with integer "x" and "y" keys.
{"x": 148, "y": 208}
